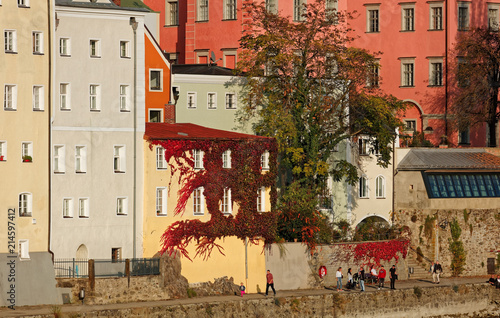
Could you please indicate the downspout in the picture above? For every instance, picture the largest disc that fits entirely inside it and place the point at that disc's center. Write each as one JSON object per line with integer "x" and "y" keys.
{"x": 446, "y": 69}
{"x": 134, "y": 25}
{"x": 49, "y": 92}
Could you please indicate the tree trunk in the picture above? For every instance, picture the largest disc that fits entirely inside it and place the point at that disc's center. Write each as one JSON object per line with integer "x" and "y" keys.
{"x": 492, "y": 117}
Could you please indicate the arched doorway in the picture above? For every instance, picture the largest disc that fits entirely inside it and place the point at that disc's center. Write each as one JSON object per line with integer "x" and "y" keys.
{"x": 372, "y": 228}
{"x": 82, "y": 252}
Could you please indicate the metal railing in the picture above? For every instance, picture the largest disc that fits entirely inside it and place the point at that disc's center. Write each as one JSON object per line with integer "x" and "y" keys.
{"x": 144, "y": 266}
{"x": 75, "y": 268}
{"x": 71, "y": 267}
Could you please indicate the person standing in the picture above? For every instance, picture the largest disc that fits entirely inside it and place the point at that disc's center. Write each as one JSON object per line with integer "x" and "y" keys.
{"x": 436, "y": 271}
{"x": 374, "y": 276}
{"x": 362, "y": 278}
{"x": 393, "y": 276}
{"x": 381, "y": 277}
{"x": 242, "y": 289}
{"x": 338, "y": 275}
{"x": 270, "y": 282}
{"x": 350, "y": 282}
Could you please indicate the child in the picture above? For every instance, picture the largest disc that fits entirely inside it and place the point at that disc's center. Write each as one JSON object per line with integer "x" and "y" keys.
{"x": 242, "y": 289}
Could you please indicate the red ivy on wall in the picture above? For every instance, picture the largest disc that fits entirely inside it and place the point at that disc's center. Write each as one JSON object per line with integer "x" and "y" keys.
{"x": 244, "y": 178}
{"x": 374, "y": 252}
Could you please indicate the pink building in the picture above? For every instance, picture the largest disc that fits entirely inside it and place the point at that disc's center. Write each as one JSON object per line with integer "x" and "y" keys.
{"x": 415, "y": 38}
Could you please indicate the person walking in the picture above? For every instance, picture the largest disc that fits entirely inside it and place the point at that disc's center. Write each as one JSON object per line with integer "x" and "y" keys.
{"x": 436, "y": 271}
{"x": 393, "y": 276}
{"x": 242, "y": 289}
{"x": 381, "y": 277}
{"x": 270, "y": 282}
{"x": 338, "y": 275}
{"x": 362, "y": 278}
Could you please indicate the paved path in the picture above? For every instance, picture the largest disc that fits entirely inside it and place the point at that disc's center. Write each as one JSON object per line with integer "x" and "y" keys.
{"x": 78, "y": 308}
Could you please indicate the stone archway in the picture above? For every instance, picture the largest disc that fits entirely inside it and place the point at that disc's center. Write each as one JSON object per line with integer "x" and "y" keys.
{"x": 372, "y": 228}
{"x": 82, "y": 252}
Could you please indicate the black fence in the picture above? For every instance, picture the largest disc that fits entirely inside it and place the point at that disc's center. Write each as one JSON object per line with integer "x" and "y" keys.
{"x": 75, "y": 268}
{"x": 71, "y": 267}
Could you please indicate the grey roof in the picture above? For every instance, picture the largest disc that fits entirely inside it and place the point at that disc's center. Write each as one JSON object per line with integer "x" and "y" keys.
{"x": 201, "y": 69}
{"x": 97, "y": 5}
{"x": 466, "y": 159}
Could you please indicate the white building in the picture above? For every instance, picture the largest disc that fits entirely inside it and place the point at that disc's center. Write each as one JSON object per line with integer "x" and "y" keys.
{"x": 97, "y": 130}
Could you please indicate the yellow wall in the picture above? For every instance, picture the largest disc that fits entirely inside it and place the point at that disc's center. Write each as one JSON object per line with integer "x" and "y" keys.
{"x": 199, "y": 270}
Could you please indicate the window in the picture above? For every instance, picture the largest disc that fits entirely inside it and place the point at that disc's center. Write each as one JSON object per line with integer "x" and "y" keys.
{"x": 64, "y": 47}
{"x": 3, "y": 150}
{"x": 464, "y": 136}
{"x": 59, "y": 159}
{"x": 372, "y": 19}
{"x": 124, "y": 49}
{"x": 264, "y": 160}
{"x": 407, "y": 72}
{"x": 25, "y": 204}
{"x": 410, "y": 125}
{"x": 226, "y": 206}
{"x": 202, "y": 10}
{"x": 155, "y": 83}
{"x": 10, "y": 38}
{"x": 364, "y": 146}
{"x": 436, "y": 73}
{"x": 37, "y": 42}
{"x": 10, "y": 97}
{"x": 191, "y": 100}
{"x": 373, "y": 76}
{"x": 462, "y": 185}
{"x": 436, "y": 16}
{"x": 230, "y": 101}
{"x": 363, "y": 187}
{"x": 121, "y": 206}
{"x": 67, "y": 208}
{"x": 27, "y": 151}
{"x": 83, "y": 208}
{"x": 116, "y": 254}
{"x": 23, "y": 3}
{"x": 155, "y": 116}
{"x": 226, "y": 159}
{"x": 229, "y": 58}
{"x": 261, "y": 202}
{"x": 95, "y": 48}
{"x": 172, "y": 13}
{"x": 124, "y": 99}
{"x": 161, "y": 201}
{"x": 408, "y": 17}
{"x": 272, "y": 6}
{"x": 24, "y": 249}
{"x": 229, "y": 9}
{"x": 212, "y": 101}
{"x": 64, "y": 96}
{"x": 38, "y": 98}
{"x": 463, "y": 16}
{"x": 380, "y": 187}
{"x": 94, "y": 97}
{"x": 198, "y": 201}
{"x": 119, "y": 159}
{"x": 493, "y": 17}
{"x": 161, "y": 163}
{"x": 80, "y": 159}
{"x": 298, "y": 10}
{"x": 198, "y": 159}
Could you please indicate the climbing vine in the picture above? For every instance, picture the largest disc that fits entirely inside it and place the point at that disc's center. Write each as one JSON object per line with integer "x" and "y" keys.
{"x": 372, "y": 253}
{"x": 456, "y": 249}
{"x": 245, "y": 177}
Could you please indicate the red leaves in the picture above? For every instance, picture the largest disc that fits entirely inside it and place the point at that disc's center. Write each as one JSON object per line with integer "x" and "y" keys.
{"x": 374, "y": 252}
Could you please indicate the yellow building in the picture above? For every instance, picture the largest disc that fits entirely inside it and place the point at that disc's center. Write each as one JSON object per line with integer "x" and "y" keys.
{"x": 162, "y": 195}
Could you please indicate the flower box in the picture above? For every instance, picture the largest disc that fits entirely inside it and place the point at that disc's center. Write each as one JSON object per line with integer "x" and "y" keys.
{"x": 27, "y": 159}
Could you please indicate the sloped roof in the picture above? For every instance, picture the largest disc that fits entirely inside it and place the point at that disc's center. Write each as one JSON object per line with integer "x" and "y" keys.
{"x": 434, "y": 159}
{"x": 97, "y": 5}
{"x": 134, "y": 4}
{"x": 158, "y": 131}
{"x": 201, "y": 69}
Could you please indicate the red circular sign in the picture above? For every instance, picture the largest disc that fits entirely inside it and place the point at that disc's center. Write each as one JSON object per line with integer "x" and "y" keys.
{"x": 322, "y": 271}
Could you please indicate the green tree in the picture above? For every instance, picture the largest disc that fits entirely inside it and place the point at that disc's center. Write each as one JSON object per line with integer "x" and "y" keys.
{"x": 477, "y": 79}
{"x": 307, "y": 87}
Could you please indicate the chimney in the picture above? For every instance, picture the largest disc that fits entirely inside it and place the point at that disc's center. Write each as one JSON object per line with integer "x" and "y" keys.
{"x": 170, "y": 113}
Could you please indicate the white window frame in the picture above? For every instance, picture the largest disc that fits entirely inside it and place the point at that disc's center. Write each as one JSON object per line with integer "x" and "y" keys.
{"x": 119, "y": 162}
{"x": 231, "y": 100}
{"x": 151, "y": 110}
{"x": 198, "y": 201}
{"x": 373, "y": 79}
{"x": 25, "y": 200}
{"x": 24, "y": 249}
{"x": 436, "y": 20}
{"x": 272, "y": 6}
{"x": 230, "y": 9}
{"x": 298, "y": 10}
{"x": 121, "y": 206}
{"x": 191, "y": 100}
{"x": 264, "y": 160}
{"x": 493, "y": 16}
{"x": 10, "y": 97}
{"x": 27, "y": 149}
{"x": 372, "y": 22}
{"x": 38, "y": 98}
{"x": 23, "y": 3}
{"x": 261, "y": 199}
{"x": 202, "y": 10}
{"x": 10, "y": 41}
{"x": 226, "y": 159}
{"x": 226, "y": 203}
{"x": 363, "y": 146}
{"x": 64, "y": 46}
{"x": 211, "y": 100}
{"x": 67, "y": 208}
{"x": 37, "y": 38}
{"x": 95, "y": 48}
{"x": 171, "y": 13}
{"x": 95, "y": 97}
{"x": 3, "y": 150}
{"x": 161, "y": 201}
{"x": 363, "y": 187}
{"x": 410, "y": 125}
{"x": 463, "y": 25}
{"x": 124, "y": 98}
{"x": 435, "y": 74}
{"x": 65, "y": 98}
{"x": 59, "y": 159}
{"x": 198, "y": 159}
{"x": 124, "y": 49}
{"x": 408, "y": 17}
{"x": 380, "y": 187}
{"x": 160, "y": 87}
{"x": 80, "y": 159}
{"x": 83, "y": 208}
{"x": 161, "y": 162}
{"x": 407, "y": 72}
